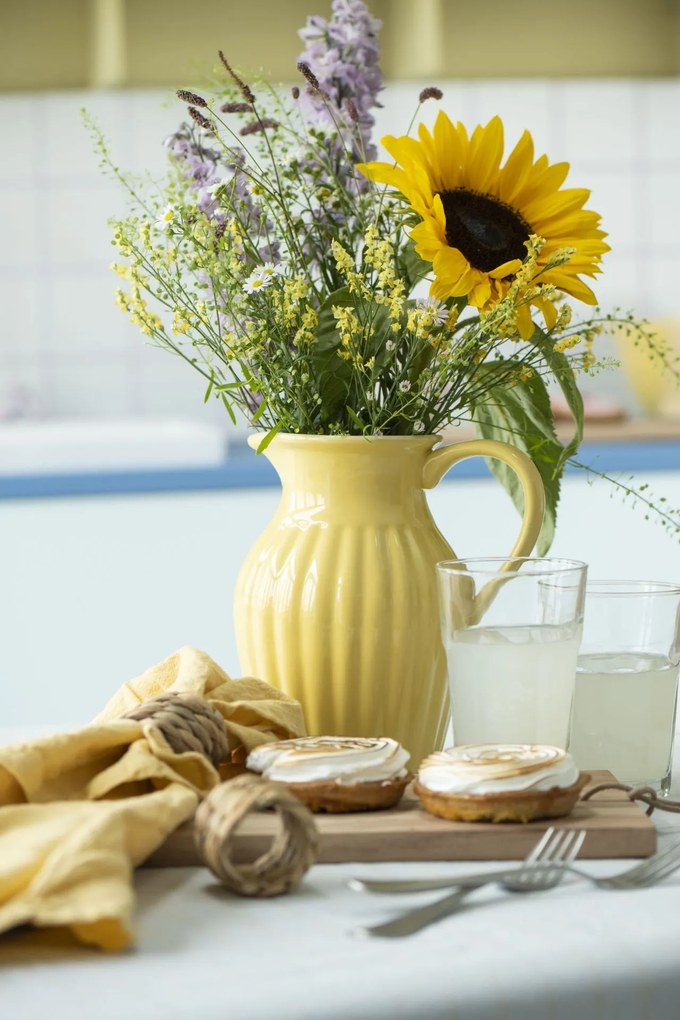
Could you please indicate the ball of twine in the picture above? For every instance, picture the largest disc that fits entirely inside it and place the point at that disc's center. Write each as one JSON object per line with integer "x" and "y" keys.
{"x": 188, "y": 723}
{"x": 291, "y": 853}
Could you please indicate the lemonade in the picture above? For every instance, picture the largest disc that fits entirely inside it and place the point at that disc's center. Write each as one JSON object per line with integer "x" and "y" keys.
{"x": 624, "y": 715}
{"x": 513, "y": 684}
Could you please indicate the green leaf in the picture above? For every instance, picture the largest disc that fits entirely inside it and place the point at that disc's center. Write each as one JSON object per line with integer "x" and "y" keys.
{"x": 227, "y": 386}
{"x": 229, "y": 409}
{"x": 355, "y": 418}
{"x": 266, "y": 439}
{"x": 333, "y": 380}
{"x": 521, "y": 415}
{"x": 259, "y": 412}
{"x": 564, "y": 375}
{"x": 209, "y": 390}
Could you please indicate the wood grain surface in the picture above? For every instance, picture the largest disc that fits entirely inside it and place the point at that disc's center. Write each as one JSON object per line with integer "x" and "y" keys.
{"x": 615, "y": 826}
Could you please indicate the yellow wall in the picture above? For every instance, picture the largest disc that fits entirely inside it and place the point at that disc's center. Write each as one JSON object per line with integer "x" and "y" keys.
{"x": 43, "y": 43}
{"x": 67, "y": 43}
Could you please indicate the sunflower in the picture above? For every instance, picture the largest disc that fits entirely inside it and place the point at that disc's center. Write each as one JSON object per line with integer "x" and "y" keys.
{"x": 477, "y": 216}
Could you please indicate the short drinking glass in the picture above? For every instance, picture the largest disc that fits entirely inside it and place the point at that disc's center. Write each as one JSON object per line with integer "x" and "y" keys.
{"x": 627, "y": 681}
{"x": 511, "y": 629}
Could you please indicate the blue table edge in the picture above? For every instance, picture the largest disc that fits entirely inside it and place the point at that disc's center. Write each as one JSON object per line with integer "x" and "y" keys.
{"x": 246, "y": 470}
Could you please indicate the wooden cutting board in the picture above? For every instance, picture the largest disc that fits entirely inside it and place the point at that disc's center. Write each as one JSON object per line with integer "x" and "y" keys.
{"x": 616, "y": 828}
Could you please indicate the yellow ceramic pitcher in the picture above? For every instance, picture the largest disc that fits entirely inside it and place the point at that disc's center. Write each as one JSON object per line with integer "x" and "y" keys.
{"x": 336, "y": 603}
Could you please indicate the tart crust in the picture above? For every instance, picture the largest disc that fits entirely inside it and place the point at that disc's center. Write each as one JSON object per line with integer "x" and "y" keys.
{"x": 515, "y": 806}
{"x": 331, "y": 796}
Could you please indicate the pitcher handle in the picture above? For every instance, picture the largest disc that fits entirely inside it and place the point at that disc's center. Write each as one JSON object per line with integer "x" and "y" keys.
{"x": 439, "y": 461}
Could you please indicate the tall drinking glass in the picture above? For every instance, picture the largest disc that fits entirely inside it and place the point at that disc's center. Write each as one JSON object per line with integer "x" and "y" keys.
{"x": 511, "y": 629}
{"x": 627, "y": 681}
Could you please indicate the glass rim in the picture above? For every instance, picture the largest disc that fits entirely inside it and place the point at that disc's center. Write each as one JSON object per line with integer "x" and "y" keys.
{"x": 548, "y": 566}
{"x": 629, "y": 588}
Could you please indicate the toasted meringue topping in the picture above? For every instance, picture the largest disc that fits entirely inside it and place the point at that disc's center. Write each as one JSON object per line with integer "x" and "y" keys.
{"x": 346, "y": 760}
{"x": 497, "y": 768}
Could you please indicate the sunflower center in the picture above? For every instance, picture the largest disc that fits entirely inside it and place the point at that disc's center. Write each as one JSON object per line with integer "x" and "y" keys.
{"x": 484, "y": 229}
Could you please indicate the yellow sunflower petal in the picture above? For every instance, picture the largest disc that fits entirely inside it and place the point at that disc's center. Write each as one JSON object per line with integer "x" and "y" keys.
{"x": 426, "y": 141}
{"x": 543, "y": 208}
{"x": 486, "y": 152}
{"x": 516, "y": 170}
{"x": 454, "y": 271}
{"x": 541, "y": 182}
{"x": 571, "y": 285}
{"x": 439, "y": 214}
{"x": 450, "y": 148}
{"x": 384, "y": 173}
{"x": 524, "y": 321}
{"x": 438, "y": 290}
{"x": 505, "y": 270}
{"x": 548, "y": 309}
{"x": 404, "y": 150}
{"x": 481, "y": 292}
{"x": 427, "y": 239}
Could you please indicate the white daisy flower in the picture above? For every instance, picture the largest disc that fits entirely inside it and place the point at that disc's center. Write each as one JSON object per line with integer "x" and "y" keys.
{"x": 418, "y": 426}
{"x": 213, "y": 189}
{"x": 390, "y": 345}
{"x": 437, "y": 309}
{"x": 262, "y": 277}
{"x": 167, "y": 218}
{"x": 269, "y": 270}
{"x": 297, "y": 157}
{"x": 404, "y": 386}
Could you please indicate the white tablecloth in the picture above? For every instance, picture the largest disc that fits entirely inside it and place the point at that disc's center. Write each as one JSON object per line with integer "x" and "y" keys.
{"x": 574, "y": 953}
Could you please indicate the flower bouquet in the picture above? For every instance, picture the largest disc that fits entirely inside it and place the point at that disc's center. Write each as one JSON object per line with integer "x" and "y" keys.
{"x": 320, "y": 291}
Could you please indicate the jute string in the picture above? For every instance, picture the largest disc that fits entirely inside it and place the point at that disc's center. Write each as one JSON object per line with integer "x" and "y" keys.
{"x": 293, "y": 848}
{"x": 646, "y": 794}
{"x": 188, "y": 723}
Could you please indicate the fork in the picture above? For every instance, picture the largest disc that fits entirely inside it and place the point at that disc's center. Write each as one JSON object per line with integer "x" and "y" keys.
{"x": 648, "y": 872}
{"x": 642, "y": 875}
{"x": 542, "y": 869}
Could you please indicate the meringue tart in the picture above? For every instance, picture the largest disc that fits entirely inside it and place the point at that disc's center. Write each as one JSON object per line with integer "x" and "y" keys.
{"x": 336, "y": 774}
{"x": 499, "y": 783}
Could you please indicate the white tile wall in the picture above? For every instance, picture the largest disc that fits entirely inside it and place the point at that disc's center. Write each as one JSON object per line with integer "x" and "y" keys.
{"x": 66, "y": 351}
{"x": 658, "y": 123}
{"x": 18, "y": 227}
{"x": 598, "y": 120}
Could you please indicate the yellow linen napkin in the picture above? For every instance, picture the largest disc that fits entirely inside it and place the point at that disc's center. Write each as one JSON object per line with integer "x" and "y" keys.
{"x": 79, "y": 811}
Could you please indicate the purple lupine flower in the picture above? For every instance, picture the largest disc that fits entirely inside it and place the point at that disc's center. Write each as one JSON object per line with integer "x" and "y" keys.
{"x": 343, "y": 54}
{"x": 196, "y": 161}
{"x": 341, "y": 66}
{"x": 206, "y": 170}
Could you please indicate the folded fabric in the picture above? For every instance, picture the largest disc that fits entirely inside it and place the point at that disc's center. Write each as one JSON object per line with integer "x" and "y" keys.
{"x": 79, "y": 811}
